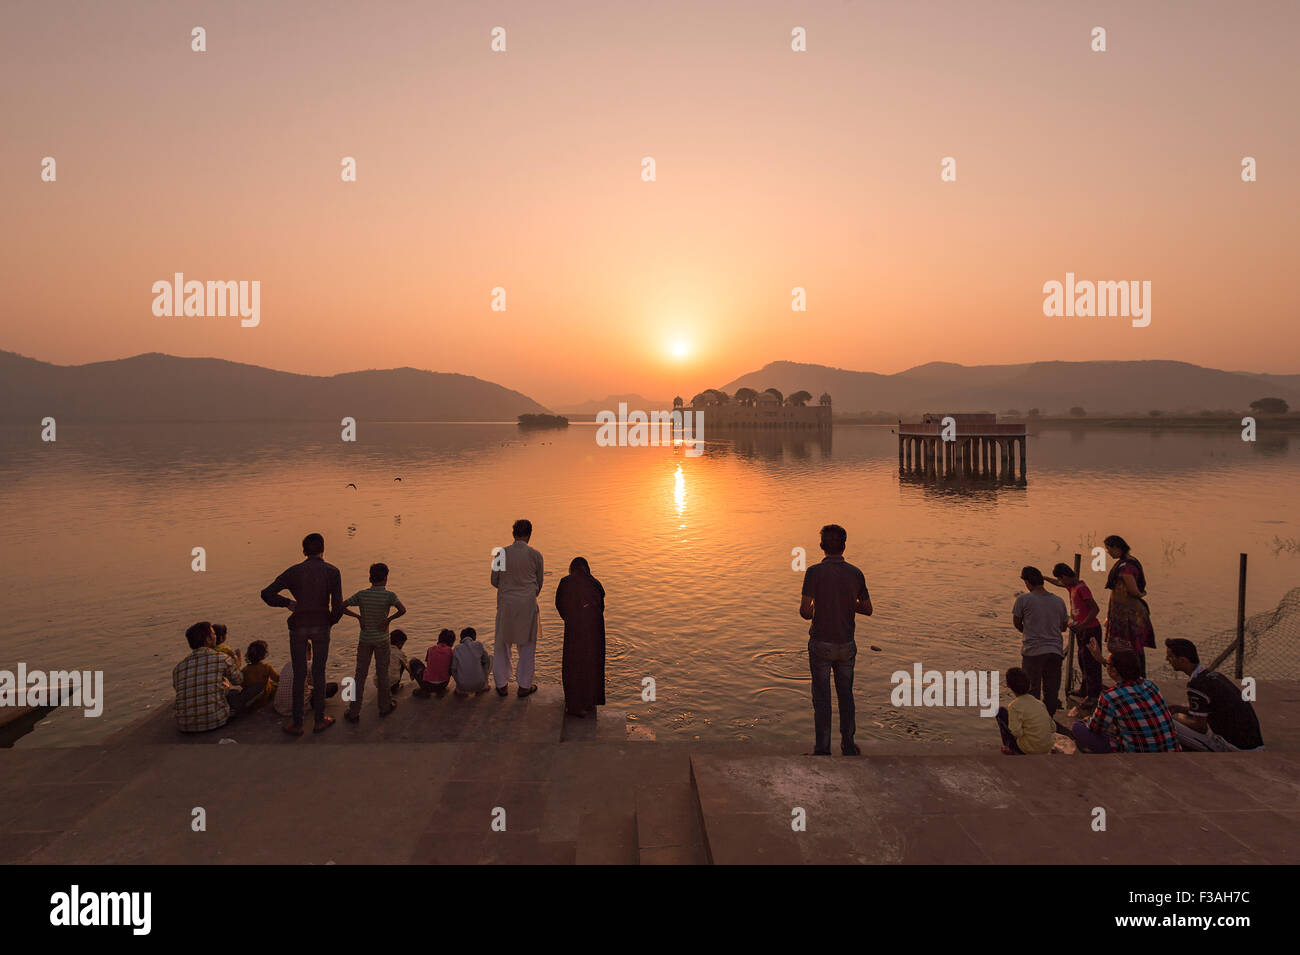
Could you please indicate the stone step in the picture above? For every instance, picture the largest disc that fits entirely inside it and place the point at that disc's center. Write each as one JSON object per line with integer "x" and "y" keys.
{"x": 930, "y": 809}
{"x": 606, "y": 726}
{"x": 607, "y": 838}
{"x": 487, "y": 718}
{"x": 668, "y": 830}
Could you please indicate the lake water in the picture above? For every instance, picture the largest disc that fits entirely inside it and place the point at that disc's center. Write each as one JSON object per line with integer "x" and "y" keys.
{"x": 695, "y": 553}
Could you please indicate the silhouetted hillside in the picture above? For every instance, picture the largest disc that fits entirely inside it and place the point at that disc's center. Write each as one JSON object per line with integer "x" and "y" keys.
{"x": 163, "y": 387}
{"x": 1053, "y": 387}
{"x": 610, "y": 403}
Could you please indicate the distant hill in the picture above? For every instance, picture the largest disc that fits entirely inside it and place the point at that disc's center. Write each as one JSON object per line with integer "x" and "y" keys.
{"x": 1117, "y": 387}
{"x": 610, "y": 403}
{"x": 165, "y": 388}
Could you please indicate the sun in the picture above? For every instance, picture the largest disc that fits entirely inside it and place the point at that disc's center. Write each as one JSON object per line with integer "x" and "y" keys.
{"x": 679, "y": 348}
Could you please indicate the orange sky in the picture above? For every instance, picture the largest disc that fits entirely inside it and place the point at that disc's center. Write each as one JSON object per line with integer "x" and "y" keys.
{"x": 775, "y": 169}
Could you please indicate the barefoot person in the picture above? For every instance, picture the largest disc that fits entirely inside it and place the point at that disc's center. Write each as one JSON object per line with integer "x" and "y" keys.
{"x": 517, "y": 576}
{"x": 580, "y": 599}
{"x": 1087, "y": 633}
{"x": 373, "y": 605}
{"x": 833, "y": 591}
{"x": 316, "y": 605}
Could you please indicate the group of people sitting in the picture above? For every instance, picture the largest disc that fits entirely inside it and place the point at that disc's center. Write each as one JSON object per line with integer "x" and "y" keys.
{"x": 213, "y": 672}
{"x": 212, "y": 683}
{"x": 1133, "y": 717}
{"x": 1130, "y": 716}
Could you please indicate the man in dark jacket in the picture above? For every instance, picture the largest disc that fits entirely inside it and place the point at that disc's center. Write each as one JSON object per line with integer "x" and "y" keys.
{"x": 316, "y": 605}
{"x": 833, "y": 591}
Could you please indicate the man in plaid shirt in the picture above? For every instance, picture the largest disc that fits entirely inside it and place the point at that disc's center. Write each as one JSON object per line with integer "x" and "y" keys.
{"x": 207, "y": 684}
{"x": 1131, "y": 717}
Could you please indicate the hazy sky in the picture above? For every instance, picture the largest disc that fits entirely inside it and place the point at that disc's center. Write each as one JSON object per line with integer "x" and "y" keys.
{"x": 775, "y": 169}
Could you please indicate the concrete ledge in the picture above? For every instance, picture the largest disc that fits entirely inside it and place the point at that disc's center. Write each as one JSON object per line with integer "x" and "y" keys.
{"x": 1231, "y": 808}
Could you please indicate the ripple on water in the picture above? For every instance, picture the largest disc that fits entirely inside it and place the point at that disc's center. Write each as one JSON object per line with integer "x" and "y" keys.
{"x": 783, "y": 664}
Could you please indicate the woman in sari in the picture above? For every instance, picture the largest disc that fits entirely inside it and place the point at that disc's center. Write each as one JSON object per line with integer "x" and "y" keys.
{"x": 1128, "y": 619}
{"x": 580, "y": 599}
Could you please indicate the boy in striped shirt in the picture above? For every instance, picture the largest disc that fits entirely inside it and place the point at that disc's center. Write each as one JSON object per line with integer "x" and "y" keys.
{"x": 372, "y": 604}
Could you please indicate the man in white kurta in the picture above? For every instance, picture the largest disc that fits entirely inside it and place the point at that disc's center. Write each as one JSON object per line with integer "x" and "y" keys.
{"x": 517, "y": 576}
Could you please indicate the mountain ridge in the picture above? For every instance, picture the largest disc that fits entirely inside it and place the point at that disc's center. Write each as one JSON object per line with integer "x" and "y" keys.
{"x": 1120, "y": 387}
{"x": 156, "y": 387}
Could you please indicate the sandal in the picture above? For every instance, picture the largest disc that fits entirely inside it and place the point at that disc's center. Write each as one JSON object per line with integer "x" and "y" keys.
{"x": 323, "y": 725}
{"x": 503, "y": 691}
{"x": 531, "y": 689}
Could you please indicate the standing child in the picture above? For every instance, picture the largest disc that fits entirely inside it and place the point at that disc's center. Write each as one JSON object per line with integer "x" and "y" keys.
{"x": 373, "y": 640}
{"x": 470, "y": 664}
{"x": 437, "y": 665}
{"x": 1087, "y": 633}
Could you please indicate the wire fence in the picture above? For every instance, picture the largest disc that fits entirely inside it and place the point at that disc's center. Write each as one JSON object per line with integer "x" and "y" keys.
{"x": 1270, "y": 644}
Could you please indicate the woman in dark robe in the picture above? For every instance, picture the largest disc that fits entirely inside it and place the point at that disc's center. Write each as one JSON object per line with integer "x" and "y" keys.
{"x": 580, "y": 599}
{"x": 1128, "y": 618}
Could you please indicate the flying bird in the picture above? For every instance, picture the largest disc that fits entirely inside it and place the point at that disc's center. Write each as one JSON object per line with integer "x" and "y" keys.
{"x": 396, "y": 479}
{"x": 353, "y": 486}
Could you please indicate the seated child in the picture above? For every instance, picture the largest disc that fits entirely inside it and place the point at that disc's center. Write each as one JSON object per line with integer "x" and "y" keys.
{"x": 283, "y": 703}
{"x": 398, "y": 664}
{"x": 1025, "y": 725}
{"x": 219, "y": 629}
{"x": 470, "y": 664}
{"x": 257, "y": 673}
{"x": 437, "y": 665}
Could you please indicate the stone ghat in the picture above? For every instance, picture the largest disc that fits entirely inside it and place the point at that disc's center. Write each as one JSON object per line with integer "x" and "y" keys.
{"x": 429, "y": 790}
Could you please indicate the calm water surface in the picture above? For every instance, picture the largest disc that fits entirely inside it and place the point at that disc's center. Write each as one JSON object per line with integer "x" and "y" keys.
{"x": 695, "y": 552}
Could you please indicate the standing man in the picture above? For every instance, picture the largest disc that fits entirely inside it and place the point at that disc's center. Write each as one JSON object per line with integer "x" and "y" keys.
{"x": 316, "y": 605}
{"x": 833, "y": 591}
{"x": 1042, "y": 618}
{"x": 517, "y": 576}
